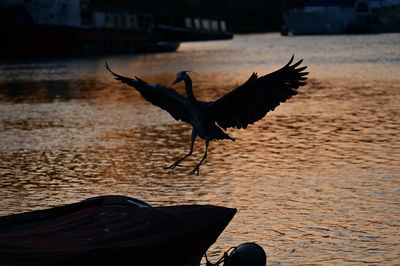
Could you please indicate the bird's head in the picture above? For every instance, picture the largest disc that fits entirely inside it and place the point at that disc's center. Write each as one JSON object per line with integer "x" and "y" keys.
{"x": 181, "y": 76}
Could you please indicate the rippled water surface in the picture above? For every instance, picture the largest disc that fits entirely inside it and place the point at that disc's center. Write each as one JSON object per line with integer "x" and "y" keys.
{"x": 316, "y": 181}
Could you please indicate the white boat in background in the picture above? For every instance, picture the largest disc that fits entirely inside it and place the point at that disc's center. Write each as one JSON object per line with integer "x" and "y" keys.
{"x": 339, "y": 16}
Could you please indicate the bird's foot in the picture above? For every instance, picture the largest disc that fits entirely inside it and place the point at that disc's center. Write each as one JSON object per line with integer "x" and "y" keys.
{"x": 172, "y": 166}
{"x": 195, "y": 170}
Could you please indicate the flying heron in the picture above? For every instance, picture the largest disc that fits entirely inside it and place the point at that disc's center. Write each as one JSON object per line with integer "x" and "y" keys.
{"x": 240, "y": 107}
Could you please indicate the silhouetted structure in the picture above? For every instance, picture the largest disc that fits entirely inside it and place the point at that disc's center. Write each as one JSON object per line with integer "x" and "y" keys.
{"x": 343, "y": 16}
{"x": 240, "y": 15}
{"x": 242, "y": 106}
{"x": 41, "y": 28}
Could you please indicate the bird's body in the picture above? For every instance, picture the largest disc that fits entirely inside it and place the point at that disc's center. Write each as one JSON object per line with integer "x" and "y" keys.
{"x": 242, "y": 106}
{"x": 203, "y": 125}
{"x": 200, "y": 119}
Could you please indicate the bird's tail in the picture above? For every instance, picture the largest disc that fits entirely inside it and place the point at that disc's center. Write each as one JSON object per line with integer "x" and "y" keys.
{"x": 222, "y": 135}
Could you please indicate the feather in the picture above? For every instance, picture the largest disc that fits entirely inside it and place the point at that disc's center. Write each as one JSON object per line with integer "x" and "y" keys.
{"x": 163, "y": 97}
{"x": 252, "y": 100}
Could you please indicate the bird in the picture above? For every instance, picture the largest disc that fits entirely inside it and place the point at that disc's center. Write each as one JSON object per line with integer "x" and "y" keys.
{"x": 242, "y": 106}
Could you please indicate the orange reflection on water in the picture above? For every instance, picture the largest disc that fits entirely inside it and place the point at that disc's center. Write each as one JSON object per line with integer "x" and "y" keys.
{"x": 315, "y": 181}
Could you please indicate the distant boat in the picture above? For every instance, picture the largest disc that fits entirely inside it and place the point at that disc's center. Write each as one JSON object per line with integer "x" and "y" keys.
{"x": 341, "y": 16}
{"x": 42, "y": 28}
{"x": 111, "y": 230}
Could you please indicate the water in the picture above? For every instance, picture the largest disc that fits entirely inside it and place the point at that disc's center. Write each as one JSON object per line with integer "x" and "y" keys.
{"x": 316, "y": 181}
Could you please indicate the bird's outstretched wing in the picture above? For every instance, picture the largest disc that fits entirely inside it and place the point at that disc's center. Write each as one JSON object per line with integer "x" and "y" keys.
{"x": 161, "y": 96}
{"x": 252, "y": 100}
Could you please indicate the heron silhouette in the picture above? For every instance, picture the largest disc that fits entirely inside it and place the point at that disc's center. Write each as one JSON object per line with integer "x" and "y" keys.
{"x": 240, "y": 107}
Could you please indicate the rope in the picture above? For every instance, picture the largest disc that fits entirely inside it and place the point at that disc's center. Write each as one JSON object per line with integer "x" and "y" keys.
{"x": 222, "y": 259}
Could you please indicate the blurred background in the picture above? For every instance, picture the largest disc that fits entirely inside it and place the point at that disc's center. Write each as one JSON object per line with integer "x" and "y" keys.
{"x": 315, "y": 181}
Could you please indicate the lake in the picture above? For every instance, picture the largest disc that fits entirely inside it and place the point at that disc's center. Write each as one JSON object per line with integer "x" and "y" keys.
{"x": 317, "y": 181}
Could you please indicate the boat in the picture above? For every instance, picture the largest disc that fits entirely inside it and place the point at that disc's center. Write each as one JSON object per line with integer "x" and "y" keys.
{"x": 111, "y": 230}
{"x": 341, "y": 16}
{"x": 44, "y": 28}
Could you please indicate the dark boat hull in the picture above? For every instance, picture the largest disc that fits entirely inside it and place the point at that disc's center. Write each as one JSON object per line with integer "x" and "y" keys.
{"x": 43, "y": 41}
{"x": 59, "y": 41}
{"x": 111, "y": 230}
{"x": 180, "y": 34}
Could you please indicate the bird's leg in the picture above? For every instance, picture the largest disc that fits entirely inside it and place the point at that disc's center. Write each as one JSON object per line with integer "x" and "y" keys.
{"x": 197, "y": 168}
{"x": 175, "y": 164}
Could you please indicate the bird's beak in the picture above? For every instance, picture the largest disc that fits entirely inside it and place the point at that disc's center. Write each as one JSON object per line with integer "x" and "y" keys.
{"x": 176, "y": 81}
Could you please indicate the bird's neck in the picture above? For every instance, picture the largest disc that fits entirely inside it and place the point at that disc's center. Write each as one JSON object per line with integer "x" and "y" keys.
{"x": 189, "y": 90}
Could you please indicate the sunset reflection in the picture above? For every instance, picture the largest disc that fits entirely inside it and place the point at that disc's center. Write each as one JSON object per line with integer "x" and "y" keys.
{"x": 314, "y": 181}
